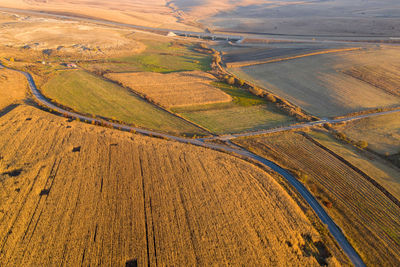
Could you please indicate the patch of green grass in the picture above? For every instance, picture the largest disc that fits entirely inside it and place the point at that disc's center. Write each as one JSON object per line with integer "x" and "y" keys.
{"x": 240, "y": 96}
{"x": 166, "y": 57}
{"x": 246, "y": 112}
{"x": 238, "y": 118}
{"x": 89, "y": 94}
{"x": 106, "y": 67}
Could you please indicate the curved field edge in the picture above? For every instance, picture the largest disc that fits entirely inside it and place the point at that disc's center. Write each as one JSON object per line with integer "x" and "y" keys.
{"x": 368, "y": 218}
{"x": 155, "y": 201}
{"x": 86, "y": 93}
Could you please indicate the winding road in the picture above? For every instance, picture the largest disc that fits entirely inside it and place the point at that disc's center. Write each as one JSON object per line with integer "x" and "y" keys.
{"x": 319, "y": 210}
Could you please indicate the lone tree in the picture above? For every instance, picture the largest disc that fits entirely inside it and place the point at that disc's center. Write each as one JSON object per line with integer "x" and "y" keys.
{"x": 230, "y": 80}
{"x": 271, "y": 98}
{"x": 362, "y": 144}
{"x": 240, "y": 82}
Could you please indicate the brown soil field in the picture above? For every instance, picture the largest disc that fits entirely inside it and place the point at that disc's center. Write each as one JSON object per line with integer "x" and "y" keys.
{"x": 383, "y": 77}
{"x": 295, "y": 55}
{"x": 243, "y": 54}
{"x": 151, "y": 13}
{"x": 318, "y": 85}
{"x": 173, "y": 89}
{"x": 76, "y": 194}
{"x": 301, "y": 17}
{"x": 13, "y": 88}
{"x": 371, "y": 164}
{"x": 368, "y": 218}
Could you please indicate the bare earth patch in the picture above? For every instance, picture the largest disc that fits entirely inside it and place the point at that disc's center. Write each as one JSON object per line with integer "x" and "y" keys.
{"x": 173, "y": 89}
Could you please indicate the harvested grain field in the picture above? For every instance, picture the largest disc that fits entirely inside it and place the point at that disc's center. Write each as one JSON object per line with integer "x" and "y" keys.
{"x": 382, "y": 133}
{"x": 173, "y": 89}
{"x": 73, "y": 194}
{"x": 379, "y": 76}
{"x": 13, "y": 87}
{"x": 369, "y": 219}
{"x": 318, "y": 85}
{"x": 374, "y": 166}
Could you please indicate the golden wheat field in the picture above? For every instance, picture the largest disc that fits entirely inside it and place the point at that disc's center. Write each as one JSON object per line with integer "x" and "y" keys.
{"x": 173, "y": 89}
{"x": 13, "y": 87}
{"x": 73, "y": 193}
{"x": 369, "y": 219}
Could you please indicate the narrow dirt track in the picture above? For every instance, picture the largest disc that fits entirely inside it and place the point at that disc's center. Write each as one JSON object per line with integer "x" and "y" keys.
{"x": 325, "y": 218}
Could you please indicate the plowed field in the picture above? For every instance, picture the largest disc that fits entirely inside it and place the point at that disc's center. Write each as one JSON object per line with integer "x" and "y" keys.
{"x": 368, "y": 218}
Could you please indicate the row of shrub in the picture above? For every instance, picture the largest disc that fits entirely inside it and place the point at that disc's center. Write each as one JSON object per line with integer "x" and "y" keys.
{"x": 343, "y": 137}
{"x": 282, "y": 104}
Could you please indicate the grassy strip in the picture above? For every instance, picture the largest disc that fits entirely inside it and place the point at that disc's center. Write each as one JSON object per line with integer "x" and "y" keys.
{"x": 89, "y": 94}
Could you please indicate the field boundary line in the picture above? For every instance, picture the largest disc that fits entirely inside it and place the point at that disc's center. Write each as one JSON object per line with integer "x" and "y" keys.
{"x": 153, "y": 103}
{"x": 252, "y": 63}
{"x": 354, "y": 168}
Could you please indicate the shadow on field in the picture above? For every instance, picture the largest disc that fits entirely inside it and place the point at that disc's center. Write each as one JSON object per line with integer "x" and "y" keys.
{"x": 8, "y": 109}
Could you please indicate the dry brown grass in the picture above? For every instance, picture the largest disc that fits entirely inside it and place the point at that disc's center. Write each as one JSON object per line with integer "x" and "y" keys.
{"x": 44, "y": 39}
{"x": 13, "y": 87}
{"x": 383, "y": 77}
{"x": 368, "y": 218}
{"x": 121, "y": 196}
{"x": 173, "y": 89}
{"x": 381, "y": 132}
{"x": 318, "y": 85}
{"x": 151, "y": 13}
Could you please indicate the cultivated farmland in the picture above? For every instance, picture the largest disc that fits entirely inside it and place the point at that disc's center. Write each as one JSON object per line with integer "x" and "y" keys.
{"x": 382, "y": 133}
{"x": 167, "y": 56}
{"x": 318, "y": 85}
{"x": 13, "y": 87}
{"x": 369, "y": 219}
{"x": 374, "y": 166}
{"x": 89, "y": 94}
{"x": 174, "y": 89}
{"x": 246, "y": 112}
{"x": 73, "y": 194}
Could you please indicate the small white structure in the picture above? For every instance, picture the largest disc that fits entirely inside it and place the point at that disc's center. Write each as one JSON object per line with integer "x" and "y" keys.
{"x": 171, "y": 34}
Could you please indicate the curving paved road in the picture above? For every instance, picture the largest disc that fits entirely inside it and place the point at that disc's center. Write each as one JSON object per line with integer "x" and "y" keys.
{"x": 319, "y": 210}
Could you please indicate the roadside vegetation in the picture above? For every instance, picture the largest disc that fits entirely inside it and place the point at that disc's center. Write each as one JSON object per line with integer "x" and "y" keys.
{"x": 369, "y": 219}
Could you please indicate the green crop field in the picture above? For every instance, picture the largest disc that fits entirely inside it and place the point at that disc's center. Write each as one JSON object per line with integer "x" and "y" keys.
{"x": 167, "y": 57}
{"x": 246, "y": 112}
{"x": 87, "y": 93}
